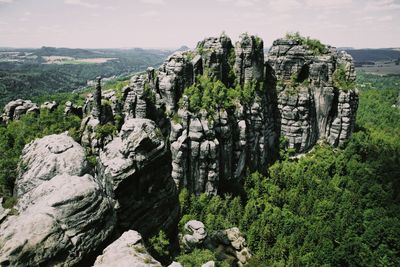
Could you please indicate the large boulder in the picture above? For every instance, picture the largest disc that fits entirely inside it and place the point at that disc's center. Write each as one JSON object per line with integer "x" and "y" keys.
{"x": 231, "y": 246}
{"x": 44, "y": 158}
{"x": 13, "y": 110}
{"x": 60, "y": 222}
{"x": 195, "y": 235}
{"x": 135, "y": 169}
{"x": 126, "y": 251}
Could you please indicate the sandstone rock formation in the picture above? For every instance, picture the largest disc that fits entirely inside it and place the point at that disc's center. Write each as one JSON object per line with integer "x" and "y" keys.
{"x": 135, "y": 170}
{"x": 195, "y": 235}
{"x": 231, "y": 246}
{"x": 51, "y": 106}
{"x": 15, "y": 109}
{"x": 99, "y": 113}
{"x": 73, "y": 109}
{"x": 126, "y": 251}
{"x": 44, "y": 158}
{"x": 312, "y": 106}
{"x": 296, "y": 98}
{"x": 63, "y": 214}
{"x": 230, "y": 243}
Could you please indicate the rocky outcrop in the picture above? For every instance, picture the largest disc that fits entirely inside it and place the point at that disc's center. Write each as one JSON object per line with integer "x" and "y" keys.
{"x": 72, "y": 109}
{"x": 135, "y": 170}
{"x": 229, "y": 244}
{"x": 195, "y": 235}
{"x": 249, "y": 62}
{"x": 15, "y": 109}
{"x": 312, "y": 105}
{"x": 100, "y": 112}
{"x": 43, "y": 159}
{"x": 174, "y": 75}
{"x": 60, "y": 222}
{"x": 128, "y": 250}
{"x": 62, "y": 215}
{"x": 50, "y": 106}
{"x": 217, "y": 57}
{"x": 209, "y": 151}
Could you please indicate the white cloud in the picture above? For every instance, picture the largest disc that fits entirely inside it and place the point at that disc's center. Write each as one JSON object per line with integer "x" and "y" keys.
{"x": 382, "y": 5}
{"x": 6, "y": 1}
{"x": 79, "y": 3}
{"x": 257, "y": 15}
{"x": 329, "y": 3}
{"x": 285, "y": 5}
{"x": 386, "y": 18}
{"x": 150, "y": 13}
{"x": 245, "y": 3}
{"x": 153, "y": 2}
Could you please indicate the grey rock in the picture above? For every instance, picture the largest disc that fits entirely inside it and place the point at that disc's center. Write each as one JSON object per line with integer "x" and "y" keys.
{"x": 62, "y": 221}
{"x": 195, "y": 235}
{"x": 313, "y": 100}
{"x": 126, "y": 251}
{"x": 209, "y": 264}
{"x": 231, "y": 245}
{"x": 51, "y": 106}
{"x": 15, "y": 109}
{"x": 249, "y": 63}
{"x": 135, "y": 170}
{"x": 44, "y": 158}
{"x": 73, "y": 109}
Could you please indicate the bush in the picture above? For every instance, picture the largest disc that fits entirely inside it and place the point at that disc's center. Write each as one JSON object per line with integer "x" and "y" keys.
{"x": 340, "y": 80}
{"x": 314, "y": 45}
{"x": 212, "y": 95}
{"x": 102, "y": 131}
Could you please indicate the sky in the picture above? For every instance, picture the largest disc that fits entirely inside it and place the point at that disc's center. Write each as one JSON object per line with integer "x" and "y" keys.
{"x": 173, "y": 23}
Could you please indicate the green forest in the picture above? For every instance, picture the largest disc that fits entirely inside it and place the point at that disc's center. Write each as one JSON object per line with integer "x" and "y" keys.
{"x": 332, "y": 207}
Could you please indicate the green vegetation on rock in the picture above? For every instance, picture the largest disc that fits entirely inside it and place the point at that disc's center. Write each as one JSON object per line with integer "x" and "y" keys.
{"x": 212, "y": 95}
{"x": 340, "y": 80}
{"x": 314, "y": 45}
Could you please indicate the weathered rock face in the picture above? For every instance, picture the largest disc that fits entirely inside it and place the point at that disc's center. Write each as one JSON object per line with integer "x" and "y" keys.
{"x": 173, "y": 77}
{"x": 100, "y": 109}
{"x": 60, "y": 222}
{"x": 297, "y": 98}
{"x": 311, "y": 106}
{"x": 63, "y": 214}
{"x": 217, "y": 52}
{"x": 135, "y": 170}
{"x": 15, "y": 109}
{"x": 44, "y": 158}
{"x": 207, "y": 152}
{"x": 135, "y": 105}
{"x": 249, "y": 63}
{"x": 128, "y": 250}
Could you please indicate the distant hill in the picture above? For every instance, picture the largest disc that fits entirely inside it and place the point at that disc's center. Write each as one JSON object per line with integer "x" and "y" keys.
{"x": 66, "y": 52}
{"x": 381, "y": 54}
{"x": 25, "y": 73}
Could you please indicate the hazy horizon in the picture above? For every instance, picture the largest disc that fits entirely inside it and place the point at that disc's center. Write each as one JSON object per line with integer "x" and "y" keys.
{"x": 167, "y": 24}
